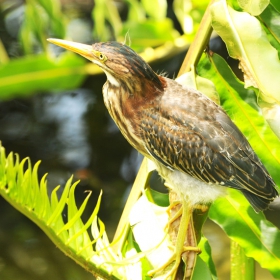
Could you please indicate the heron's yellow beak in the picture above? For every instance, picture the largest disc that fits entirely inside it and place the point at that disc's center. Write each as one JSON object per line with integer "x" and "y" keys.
{"x": 81, "y": 49}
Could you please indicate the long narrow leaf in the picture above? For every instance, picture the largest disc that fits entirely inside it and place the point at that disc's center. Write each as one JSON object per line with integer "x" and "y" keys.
{"x": 259, "y": 238}
{"x": 39, "y": 73}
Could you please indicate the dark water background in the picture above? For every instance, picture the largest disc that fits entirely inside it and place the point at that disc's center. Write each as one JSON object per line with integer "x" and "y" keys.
{"x": 72, "y": 133}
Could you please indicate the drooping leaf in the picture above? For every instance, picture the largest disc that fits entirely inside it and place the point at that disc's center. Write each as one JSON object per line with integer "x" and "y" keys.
{"x": 241, "y": 106}
{"x": 258, "y": 59}
{"x": 258, "y": 237}
{"x": 26, "y": 75}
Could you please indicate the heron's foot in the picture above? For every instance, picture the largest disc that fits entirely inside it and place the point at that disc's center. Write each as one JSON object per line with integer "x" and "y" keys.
{"x": 169, "y": 269}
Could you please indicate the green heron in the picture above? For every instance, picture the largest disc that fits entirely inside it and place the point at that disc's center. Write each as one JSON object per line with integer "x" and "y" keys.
{"x": 196, "y": 147}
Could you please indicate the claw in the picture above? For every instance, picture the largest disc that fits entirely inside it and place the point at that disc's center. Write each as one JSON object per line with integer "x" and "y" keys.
{"x": 174, "y": 217}
{"x": 176, "y": 257}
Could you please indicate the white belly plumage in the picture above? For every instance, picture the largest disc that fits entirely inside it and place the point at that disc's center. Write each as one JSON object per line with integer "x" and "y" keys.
{"x": 189, "y": 188}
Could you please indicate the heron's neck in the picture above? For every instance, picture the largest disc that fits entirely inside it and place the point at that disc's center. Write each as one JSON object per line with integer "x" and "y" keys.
{"x": 112, "y": 80}
{"x": 138, "y": 85}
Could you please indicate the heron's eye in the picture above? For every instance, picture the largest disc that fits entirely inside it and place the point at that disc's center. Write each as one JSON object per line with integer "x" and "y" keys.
{"x": 102, "y": 57}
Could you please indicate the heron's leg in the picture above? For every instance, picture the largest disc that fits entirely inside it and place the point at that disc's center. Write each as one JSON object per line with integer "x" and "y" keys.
{"x": 179, "y": 247}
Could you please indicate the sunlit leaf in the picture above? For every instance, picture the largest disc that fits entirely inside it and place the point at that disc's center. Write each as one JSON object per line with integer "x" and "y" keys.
{"x": 189, "y": 14}
{"x": 253, "y": 7}
{"x": 258, "y": 59}
{"x": 4, "y": 58}
{"x": 145, "y": 215}
{"x": 149, "y": 33}
{"x": 20, "y": 187}
{"x": 78, "y": 235}
{"x": 136, "y": 12}
{"x": 106, "y": 11}
{"x": 272, "y": 115}
{"x": 250, "y": 230}
{"x": 156, "y": 9}
{"x": 23, "y": 76}
{"x": 139, "y": 268}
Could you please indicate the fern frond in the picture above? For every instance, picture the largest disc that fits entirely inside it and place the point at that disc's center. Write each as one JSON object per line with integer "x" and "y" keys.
{"x": 19, "y": 185}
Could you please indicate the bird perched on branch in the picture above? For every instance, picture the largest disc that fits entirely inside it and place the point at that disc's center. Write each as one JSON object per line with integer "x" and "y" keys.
{"x": 196, "y": 147}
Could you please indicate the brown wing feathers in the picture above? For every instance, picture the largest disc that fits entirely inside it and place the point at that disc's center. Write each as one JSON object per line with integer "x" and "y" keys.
{"x": 202, "y": 141}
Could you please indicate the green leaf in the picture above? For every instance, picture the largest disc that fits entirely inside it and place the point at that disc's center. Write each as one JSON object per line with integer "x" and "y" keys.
{"x": 245, "y": 114}
{"x": 149, "y": 33}
{"x": 106, "y": 11}
{"x": 258, "y": 59}
{"x": 253, "y": 7}
{"x": 258, "y": 237}
{"x": 20, "y": 187}
{"x": 189, "y": 14}
{"x": 160, "y": 199}
{"x": 24, "y": 76}
{"x": 78, "y": 235}
{"x": 136, "y": 11}
{"x": 56, "y": 17}
{"x": 41, "y": 15}
{"x": 276, "y": 4}
{"x": 4, "y": 58}
{"x": 156, "y": 9}
{"x": 206, "y": 257}
{"x": 201, "y": 271}
{"x": 270, "y": 17}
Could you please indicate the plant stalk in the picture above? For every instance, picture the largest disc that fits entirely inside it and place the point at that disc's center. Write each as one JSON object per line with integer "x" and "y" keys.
{"x": 200, "y": 42}
{"x": 242, "y": 267}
